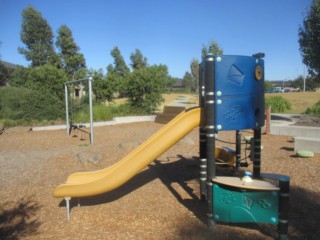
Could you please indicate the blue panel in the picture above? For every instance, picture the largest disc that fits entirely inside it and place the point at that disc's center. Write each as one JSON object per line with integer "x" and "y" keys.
{"x": 239, "y": 95}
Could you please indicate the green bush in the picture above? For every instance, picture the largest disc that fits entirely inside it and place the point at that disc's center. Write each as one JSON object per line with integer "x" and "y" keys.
{"x": 278, "y": 104}
{"x": 146, "y": 85}
{"x": 314, "y": 110}
{"x": 29, "y": 105}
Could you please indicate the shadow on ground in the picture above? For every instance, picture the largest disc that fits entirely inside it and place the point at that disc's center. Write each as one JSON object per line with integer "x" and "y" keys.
{"x": 19, "y": 221}
{"x": 303, "y": 217}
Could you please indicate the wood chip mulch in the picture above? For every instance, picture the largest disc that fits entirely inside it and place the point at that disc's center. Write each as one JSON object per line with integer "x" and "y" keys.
{"x": 161, "y": 202}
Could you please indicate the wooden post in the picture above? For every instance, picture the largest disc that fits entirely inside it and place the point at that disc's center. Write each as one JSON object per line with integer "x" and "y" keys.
{"x": 268, "y": 119}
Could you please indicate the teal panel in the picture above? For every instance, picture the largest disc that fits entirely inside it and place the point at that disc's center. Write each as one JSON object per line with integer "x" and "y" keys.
{"x": 237, "y": 205}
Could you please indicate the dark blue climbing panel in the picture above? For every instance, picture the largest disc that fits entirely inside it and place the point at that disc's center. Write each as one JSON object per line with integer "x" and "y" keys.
{"x": 239, "y": 92}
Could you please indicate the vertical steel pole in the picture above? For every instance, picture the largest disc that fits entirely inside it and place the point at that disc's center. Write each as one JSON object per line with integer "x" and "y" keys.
{"x": 91, "y": 114}
{"x": 284, "y": 184}
{"x": 202, "y": 138}
{"x": 67, "y": 108}
{"x": 256, "y": 152}
{"x": 238, "y": 149}
{"x": 210, "y": 131}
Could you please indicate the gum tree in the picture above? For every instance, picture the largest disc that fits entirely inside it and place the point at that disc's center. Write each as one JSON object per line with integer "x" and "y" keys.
{"x": 72, "y": 60}
{"x": 37, "y": 36}
{"x": 309, "y": 39}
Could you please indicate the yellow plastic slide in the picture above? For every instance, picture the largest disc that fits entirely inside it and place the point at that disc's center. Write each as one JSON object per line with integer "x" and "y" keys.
{"x": 85, "y": 184}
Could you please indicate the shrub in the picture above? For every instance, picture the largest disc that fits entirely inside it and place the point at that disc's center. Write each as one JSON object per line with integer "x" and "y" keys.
{"x": 146, "y": 86}
{"x": 278, "y": 104}
{"x": 27, "y": 105}
{"x": 314, "y": 110}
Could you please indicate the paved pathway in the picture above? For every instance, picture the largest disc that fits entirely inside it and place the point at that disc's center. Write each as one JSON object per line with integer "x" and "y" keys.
{"x": 180, "y": 102}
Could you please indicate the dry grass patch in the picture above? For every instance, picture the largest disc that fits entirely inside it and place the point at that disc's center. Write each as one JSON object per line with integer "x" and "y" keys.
{"x": 300, "y": 101}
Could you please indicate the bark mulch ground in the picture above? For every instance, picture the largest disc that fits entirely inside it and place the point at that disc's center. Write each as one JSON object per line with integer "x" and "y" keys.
{"x": 161, "y": 202}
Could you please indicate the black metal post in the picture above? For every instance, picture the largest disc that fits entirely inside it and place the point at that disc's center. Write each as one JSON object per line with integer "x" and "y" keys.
{"x": 256, "y": 152}
{"x": 284, "y": 184}
{"x": 210, "y": 131}
{"x": 202, "y": 138}
{"x": 238, "y": 149}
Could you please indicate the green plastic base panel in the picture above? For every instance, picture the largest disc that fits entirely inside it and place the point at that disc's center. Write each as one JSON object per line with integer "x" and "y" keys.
{"x": 234, "y": 205}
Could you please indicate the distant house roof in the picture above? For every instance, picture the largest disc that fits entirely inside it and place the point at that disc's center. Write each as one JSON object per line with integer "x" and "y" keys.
{"x": 9, "y": 65}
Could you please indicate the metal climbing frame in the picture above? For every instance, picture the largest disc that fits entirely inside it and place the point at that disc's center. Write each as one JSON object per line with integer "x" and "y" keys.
{"x": 90, "y": 105}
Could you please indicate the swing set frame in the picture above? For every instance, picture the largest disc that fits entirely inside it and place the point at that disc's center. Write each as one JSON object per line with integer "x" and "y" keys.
{"x": 70, "y": 125}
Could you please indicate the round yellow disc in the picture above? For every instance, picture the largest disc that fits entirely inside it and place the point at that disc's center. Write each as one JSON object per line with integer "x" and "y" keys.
{"x": 258, "y": 72}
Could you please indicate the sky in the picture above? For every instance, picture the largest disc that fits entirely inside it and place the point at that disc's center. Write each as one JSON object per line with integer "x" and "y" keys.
{"x": 170, "y": 32}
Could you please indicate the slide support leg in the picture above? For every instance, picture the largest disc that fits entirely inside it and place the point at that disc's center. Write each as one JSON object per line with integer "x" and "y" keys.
{"x": 238, "y": 149}
{"x": 256, "y": 153}
{"x": 284, "y": 184}
{"x": 68, "y": 207}
{"x": 209, "y": 115}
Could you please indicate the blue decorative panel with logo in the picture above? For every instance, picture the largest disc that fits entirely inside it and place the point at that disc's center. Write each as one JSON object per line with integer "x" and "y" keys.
{"x": 239, "y": 92}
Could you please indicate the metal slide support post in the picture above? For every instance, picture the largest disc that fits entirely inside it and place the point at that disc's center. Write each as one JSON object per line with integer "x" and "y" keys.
{"x": 284, "y": 184}
{"x": 202, "y": 140}
{"x": 238, "y": 149}
{"x": 256, "y": 152}
{"x": 68, "y": 207}
{"x": 210, "y": 132}
{"x": 67, "y": 108}
{"x": 91, "y": 114}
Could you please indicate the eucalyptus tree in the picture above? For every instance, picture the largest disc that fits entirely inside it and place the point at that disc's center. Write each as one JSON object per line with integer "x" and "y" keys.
{"x": 213, "y": 48}
{"x": 309, "y": 39}
{"x": 37, "y": 36}
{"x": 119, "y": 71}
{"x": 138, "y": 60}
{"x": 72, "y": 60}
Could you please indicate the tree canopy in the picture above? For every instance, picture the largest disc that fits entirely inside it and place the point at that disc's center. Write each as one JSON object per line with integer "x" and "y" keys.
{"x": 146, "y": 85}
{"x": 213, "y": 48}
{"x": 37, "y": 35}
{"x": 72, "y": 60}
{"x": 194, "y": 67}
{"x": 119, "y": 65}
{"x": 188, "y": 82}
{"x": 309, "y": 39}
{"x": 4, "y": 74}
{"x": 138, "y": 60}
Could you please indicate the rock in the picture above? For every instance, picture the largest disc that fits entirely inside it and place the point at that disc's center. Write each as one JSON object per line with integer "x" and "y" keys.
{"x": 87, "y": 157}
{"x": 186, "y": 141}
{"x": 129, "y": 145}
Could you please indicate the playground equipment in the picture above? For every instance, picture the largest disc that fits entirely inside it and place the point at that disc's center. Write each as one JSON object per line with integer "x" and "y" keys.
{"x": 231, "y": 98}
{"x": 78, "y": 92}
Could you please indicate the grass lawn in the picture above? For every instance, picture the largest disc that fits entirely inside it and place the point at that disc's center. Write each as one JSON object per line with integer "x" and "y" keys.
{"x": 300, "y": 101}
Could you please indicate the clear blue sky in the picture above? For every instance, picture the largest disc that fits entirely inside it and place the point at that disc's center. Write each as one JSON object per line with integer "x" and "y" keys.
{"x": 169, "y": 32}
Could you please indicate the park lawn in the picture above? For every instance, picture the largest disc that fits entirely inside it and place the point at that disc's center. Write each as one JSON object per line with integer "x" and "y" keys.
{"x": 300, "y": 101}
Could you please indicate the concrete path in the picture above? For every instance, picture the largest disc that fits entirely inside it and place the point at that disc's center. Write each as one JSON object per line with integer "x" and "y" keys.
{"x": 305, "y": 138}
{"x": 180, "y": 102}
{"x": 116, "y": 120}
